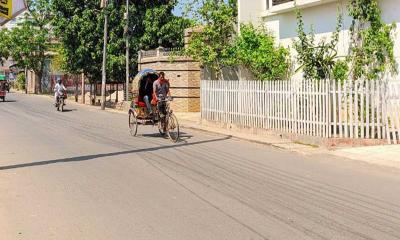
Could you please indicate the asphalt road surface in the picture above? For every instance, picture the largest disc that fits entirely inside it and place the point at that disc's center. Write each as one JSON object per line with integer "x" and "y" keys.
{"x": 80, "y": 175}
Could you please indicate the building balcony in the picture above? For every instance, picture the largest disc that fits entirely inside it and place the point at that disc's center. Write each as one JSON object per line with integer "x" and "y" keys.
{"x": 280, "y": 6}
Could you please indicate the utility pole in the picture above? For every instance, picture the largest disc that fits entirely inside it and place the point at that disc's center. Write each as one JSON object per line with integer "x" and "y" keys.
{"x": 127, "y": 51}
{"x": 26, "y": 80}
{"x": 103, "y": 74}
{"x": 83, "y": 87}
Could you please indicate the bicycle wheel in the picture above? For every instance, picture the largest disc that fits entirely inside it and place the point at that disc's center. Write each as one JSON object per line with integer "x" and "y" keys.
{"x": 172, "y": 127}
{"x": 133, "y": 123}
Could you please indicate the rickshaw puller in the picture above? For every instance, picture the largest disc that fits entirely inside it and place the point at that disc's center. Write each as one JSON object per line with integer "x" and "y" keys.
{"x": 161, "y": 89}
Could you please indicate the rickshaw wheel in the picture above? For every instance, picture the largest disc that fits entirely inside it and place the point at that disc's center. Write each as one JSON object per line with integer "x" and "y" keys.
{"x": 133, "y": 123}
{"x": 172, "y": 127}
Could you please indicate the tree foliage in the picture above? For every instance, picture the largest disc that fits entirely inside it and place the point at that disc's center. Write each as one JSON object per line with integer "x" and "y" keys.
{"x": 4, "y": 45}
{"x": 255, "y": 48}
{"x": 372, "y": 45}
{"x": 162, "y": 27}
{"x": 371, "y": 51}
{"x": 29, "y": 42}
{"x": 79, "y": 27}
{"x": 20, "y": 81}
{"x": 212, "y": 46}
{"x": 216, "y": 45}
{"x": 318, "y": 61}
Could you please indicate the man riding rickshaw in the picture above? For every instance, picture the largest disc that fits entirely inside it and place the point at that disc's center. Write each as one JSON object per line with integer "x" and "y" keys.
{"x": 151, "y": 104}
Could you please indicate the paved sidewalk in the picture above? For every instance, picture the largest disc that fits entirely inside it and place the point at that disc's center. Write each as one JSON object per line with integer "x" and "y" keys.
{"x": 387, "y": 155}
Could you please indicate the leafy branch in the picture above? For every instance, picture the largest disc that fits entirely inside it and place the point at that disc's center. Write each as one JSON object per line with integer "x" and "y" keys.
{"x": 371, "y": 50}
{"x": 320, "y": 60}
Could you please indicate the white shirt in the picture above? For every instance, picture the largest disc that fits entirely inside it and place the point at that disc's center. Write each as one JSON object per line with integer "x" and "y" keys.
{"x": 59, "y": 89}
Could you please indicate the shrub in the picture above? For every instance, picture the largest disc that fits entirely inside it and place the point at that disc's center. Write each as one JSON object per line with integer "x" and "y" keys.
{"x": 340, "y": 71}
{"x": 255, "y": 48}
{"x": 372, "y": 44}
{"x": 20, "y": 81}
{"x": 317, "y": 60}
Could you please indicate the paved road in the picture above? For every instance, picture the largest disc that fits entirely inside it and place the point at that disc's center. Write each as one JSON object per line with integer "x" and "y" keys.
{"x": 80, "y": 175}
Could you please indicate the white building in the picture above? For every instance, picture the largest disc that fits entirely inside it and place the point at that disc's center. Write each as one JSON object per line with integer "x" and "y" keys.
{"x": 14, "y": 22}
{"x": 279, "y": 16}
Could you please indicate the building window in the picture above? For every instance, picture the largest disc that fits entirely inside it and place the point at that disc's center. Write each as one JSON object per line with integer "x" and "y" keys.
{"x": 277, "y": 2}
{"x": 271, "y": 3}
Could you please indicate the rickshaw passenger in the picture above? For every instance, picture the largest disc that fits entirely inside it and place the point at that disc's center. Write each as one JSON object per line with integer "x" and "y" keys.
{"x": 146, "y": 92}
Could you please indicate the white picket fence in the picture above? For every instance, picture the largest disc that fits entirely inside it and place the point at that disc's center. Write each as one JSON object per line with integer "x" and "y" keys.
{"x": 364, "y": 109}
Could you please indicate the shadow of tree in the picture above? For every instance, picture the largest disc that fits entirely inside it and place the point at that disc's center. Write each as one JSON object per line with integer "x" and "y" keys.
{"x": 95, "y": 156}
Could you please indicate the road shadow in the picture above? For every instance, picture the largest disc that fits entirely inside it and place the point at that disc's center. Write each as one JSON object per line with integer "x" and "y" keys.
{"x": 182, "y": 138}
{"x": 157, "y": 134}
{"x": 8, "y": 101}
{"x": 153, "y": 135}
{"x": 70, "y": 110}
{"x": 96, "y": 156}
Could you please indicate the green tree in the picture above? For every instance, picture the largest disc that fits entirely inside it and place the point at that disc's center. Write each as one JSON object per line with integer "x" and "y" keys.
{"x": 318, "y": 61}
{"x": 255, "y": 49}
{"x": 212, "y": 46}
{"x": 20, "y": 81}
{"x": 4, "y": 45}
{"x": 161, "y": 26}
{"x": 28, "y": 46}
{"x": 30, "y": 41}
{"x": 79, "y": 27}
{"x": 372, "y": 45}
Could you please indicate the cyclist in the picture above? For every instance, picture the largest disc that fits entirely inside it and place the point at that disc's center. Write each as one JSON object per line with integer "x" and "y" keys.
{"x": 161, "y": 90}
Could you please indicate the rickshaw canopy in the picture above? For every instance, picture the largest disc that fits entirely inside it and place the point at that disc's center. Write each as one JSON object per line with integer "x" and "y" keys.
{"x": 137, "y": 81}
{"x": 146, "y": 73}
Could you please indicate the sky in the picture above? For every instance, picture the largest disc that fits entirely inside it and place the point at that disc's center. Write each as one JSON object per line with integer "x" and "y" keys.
{"x": 179, "y": 8}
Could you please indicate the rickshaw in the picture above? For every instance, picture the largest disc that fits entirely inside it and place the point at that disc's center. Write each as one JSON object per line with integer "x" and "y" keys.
{"x": 163, "y": 116}
{"x": 3, "y": 89}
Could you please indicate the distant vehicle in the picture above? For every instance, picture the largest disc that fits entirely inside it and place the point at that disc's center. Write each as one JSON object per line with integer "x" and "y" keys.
{"x": 61, "y": 102}
{"x": 3, "y": 89}
{"x": 2, "y": 76}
